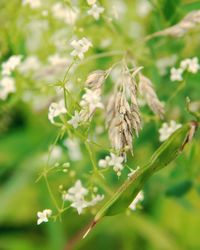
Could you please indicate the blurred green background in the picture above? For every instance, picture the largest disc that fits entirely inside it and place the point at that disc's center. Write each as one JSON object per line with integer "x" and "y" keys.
{"x": 169, "y": 217}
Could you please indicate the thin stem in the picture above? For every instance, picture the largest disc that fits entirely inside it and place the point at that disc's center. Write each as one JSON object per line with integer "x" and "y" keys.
{"x": 91, "y": 156}
{"x": 51, "y": 193}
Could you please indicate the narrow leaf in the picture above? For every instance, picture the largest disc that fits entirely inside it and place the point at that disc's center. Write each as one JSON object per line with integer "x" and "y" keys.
{"x": 166, "y": 153}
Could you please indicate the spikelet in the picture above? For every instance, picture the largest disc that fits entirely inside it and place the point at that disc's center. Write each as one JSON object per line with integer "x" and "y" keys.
{"x": 147, "y": 91}
{"x": 122, "y": 116}
{"x": 96, "y": 79}
{"x": 91, "y": 100}
{"x": 189, "y": 22}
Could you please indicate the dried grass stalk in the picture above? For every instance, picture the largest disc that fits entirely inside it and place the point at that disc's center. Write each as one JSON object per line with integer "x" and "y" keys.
{"x": 146, "y": 89}
{"x": 122, "y": 116}
{"x": 189, "y": 22}
{"x": 96, "y": 79}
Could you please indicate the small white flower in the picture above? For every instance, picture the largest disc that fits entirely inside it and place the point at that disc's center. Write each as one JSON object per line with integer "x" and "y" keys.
{"x": 76, "y": 195}
{"x": 112, "y": 161}
{"x": 80, "y": 47}
{"x": 78, "y": 191}
{"x": 143, "y": 8}
{"x": 103, "y": 163}
{"x": 57, "y": 60}
{"x": 73, "y": 146}
{"x": 30, "y": 64}
{"x": 116, "y": 162}
{"x": 34, "y": 4}
{"x": 62, "y": 13}
{"x": 191, "y": 65}
{"x": 137, "y": 199}
{"x": 75, "y": 120}
{"x": 56, "y": 109}
{"x": 91, "y": 99}
{"x": 7, "y": 86}
{"x": 56, "y": 152}
{"x": 167, "y": 129}
{"x": 91, "y": 2}
{"x": 43, "y": 216}
{"x": 176, "y": 74}
{"x": 11, "y": 64}
{"x": 79, "y": 205}
{"x": 95, "y": 11}
{"x": 185, "y": 63}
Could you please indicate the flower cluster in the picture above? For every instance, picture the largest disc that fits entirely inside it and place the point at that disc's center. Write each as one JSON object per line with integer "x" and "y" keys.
{"x": 190, "y": 64}
{"x": 56, "y": 109}
{"x": 11, "y": 64}
{"x": 91, "y": 100}
{"x": 95, "y": 11}
{"x": 80, "y": 47}
{"x": 112, "y": 161}
{"x": 66, "y": 14}
{"x": 167, "y": 129}
{"x": 7, "y": 86}
{"x": 7, "y": 83}
{"x": 76, "y": 195}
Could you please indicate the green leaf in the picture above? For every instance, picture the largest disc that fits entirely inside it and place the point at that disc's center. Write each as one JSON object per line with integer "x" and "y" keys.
{"x": 166, "y": 153}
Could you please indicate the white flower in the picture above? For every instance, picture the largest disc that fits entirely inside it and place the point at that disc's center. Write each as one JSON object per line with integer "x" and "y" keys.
{"x": 11, "y": 64}
{"x": 34, "y": 4}
{"x": 75, "y": 120}
{"x": 143, "y": 8}
{"x": 76, "y": 195}
{"x": 116, "y": 162}
{"x": 80, "y": 47}
{"x": 191, "y": 65}
{"x": 137, "y": 199}
{"x": 91, "y": 99}
{"x": 57, "y": 60}
{"x": 43, "y": 216}
{"x": 56, "y": 152}
{"x": 56, "y": 109}
{"x": 78, "y": 191}
{"x": 30, "y": 64}
{"x": 73, "y": 146}
{"x": 68, "y": 15}
{"x": 91, "y": 2}
{"x": 7, "y": 86}
{"x": 79, "y": 205}
{"x": 113, "y": 161}
{"x": 103, "y": 163}
{"x": 95, "y": 11}
{"x": 167, "y": 129}
{"x": 185, "y": 63}
{"x": 176, "y": 74}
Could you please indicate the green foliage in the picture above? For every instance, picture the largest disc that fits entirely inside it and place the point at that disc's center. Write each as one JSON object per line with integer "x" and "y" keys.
{"x": 30, "y": 179}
